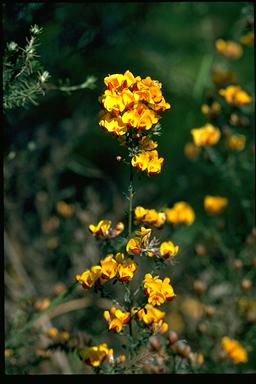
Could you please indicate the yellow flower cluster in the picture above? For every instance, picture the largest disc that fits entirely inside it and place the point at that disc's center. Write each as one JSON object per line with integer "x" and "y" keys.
{"x": 103, "y": 229}
{"x": 148, "y": 161}
{"x": 110, "y": 267}
{"x": 131, "y": 107}
{"x": 149, "y": 216}
{"x": 157, "y": 290}
{"x": 229, "y": 49}
{"x": 206, "y": 135}
{"x": 116, "y": 319}
{"x": 150, "y": 315}
{"x": 215, "y": 204}
{"x": 235, "y": 142}
{"x": 235, "y": 95}
{"x": 180, "y": 213}
{"x": 95, "y": 355}
{"x": 234, "y": 350}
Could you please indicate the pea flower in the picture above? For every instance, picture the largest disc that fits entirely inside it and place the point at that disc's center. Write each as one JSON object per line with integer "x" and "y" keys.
{"x": 95, "y": 355}
{"x": 234, "y": 350}
{"x": 157, "y": 290}
{"x": 126, "y": 270}
{"x": 108, "y": 267}
{"x": 116, "y": 319}
{"x": 150, "y": 315}
{"x": 206, "y": 135}
{"x": 90, "y": 277}
{"x": 133, "y": 246}
{"x": 235, "y": 95}
{"x": 180, "y": 213}
{"x": 168, "y": 249}
{"x": 215, "y": 204}
{"x": 148, "y": 161}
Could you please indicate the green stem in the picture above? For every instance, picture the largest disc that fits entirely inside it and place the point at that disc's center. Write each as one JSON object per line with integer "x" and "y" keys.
{"x": 130, "y": 198}
{"x": 53, "y": 304}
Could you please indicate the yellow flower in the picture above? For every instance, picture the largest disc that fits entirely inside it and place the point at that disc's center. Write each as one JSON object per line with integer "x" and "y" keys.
{"x": 158, "y": 291}
{"x": 180, "y": 213}
{"x": 206, "y": 135}
{"x": 119, "y": 82}
{"x": 140, "y": 161}
{"x": 144, "y": 234}
{"x": 126, "y": 270}
{"x": 211, "y": 111}
{"x": 148, "y": 161}
{"x": 215, "y": 204}
{"x": 101, "y": 229}
{"x": 168, "y": 249}
{"x": 191, "y": 151}
{"x": 247, "y": 39}
{"x": 116, "y": 319}
{"x": 133, "y": 246}
{"x": 108, "y": 267}
{"x": 141, "y": 118}
{"x": 234, "y": 95}
{"x": 64, "y": 209}
{"x": 152, "y": 316}
{"x": 236, "y": 142}
{"x": 229, "y": 49}
{"x": 112, "y": 124}
{"x": 140, "y": 213}
{"x": 113, "y": 102}
{"x": 234, "y": 350}
{"x": 90, "y": 277}
{"x": 94, "y": 356}
{"x": 154, "y": 163}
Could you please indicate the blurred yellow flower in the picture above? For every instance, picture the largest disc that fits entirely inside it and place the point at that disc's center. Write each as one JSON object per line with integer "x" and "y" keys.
{"x": 229, "y": 49}
{"x": 222, "y": 76}
{"x": 215, "y": 204}
{"x": 168, "y": 249}
{"x": 235, "y": 95}
{"x": 234, "y": 350}
{"x": 206, "y": 135}
{"x": 64, "y": 209}
{"x": 149, "y": 216}
{"x": 236, "y": 142}
{"x": 247, "y": 39}
{"x": 180, "y": 213}
{"x": 191, "y": 151}
{"x": 95, "y": 355}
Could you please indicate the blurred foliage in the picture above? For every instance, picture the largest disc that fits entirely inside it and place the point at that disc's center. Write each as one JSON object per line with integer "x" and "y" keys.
{"x": 55, "y": 151}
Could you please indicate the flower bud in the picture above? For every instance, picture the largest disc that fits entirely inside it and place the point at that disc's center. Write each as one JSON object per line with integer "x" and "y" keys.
{"x": 199, "y": 286}
{"x": 118, "y": 158}
{"x": 155, "y": 344}
{"x": 246, "y": 284}
{"x": 237, "y": 264}
{"x": 183, "y": 349}
{"x": 200, "y": 249}
{"x": 172, "y": 337}
{"x": 210, "y": 310}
